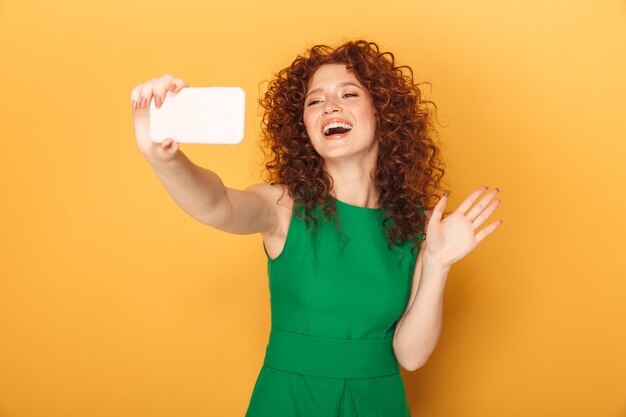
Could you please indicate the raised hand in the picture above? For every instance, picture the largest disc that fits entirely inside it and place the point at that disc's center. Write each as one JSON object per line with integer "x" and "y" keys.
{"x": 449, "y": 240}
{"x": 140, "y": 96}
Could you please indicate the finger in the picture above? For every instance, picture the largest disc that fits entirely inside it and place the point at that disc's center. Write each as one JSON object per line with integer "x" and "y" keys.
{"x": 467, "y": 203}
{"x": 482, "y": 217}
{"x": 135, "y": 96}
{"x": 146, "y": 93}
{"x": 169, "y": 146}
{"x": 487, "y": 231}
{"x": 176, "y": 85}
{"x": 158, "y": 90}
{"x": 484, "y": 202}
{"x": 439, "y": 208}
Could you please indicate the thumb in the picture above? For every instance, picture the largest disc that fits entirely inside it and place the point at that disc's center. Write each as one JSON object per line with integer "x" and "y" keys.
{"x": 440, "y": 207}
{"x": 165, "y": 150}
{"x": 169, "y": 146}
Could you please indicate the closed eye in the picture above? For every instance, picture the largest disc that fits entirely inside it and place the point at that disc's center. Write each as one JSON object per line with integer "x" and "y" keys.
{"x": 345, "y": 95}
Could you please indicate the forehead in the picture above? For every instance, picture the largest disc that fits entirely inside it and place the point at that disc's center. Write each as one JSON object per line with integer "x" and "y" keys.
{"x": 331, "y": 74}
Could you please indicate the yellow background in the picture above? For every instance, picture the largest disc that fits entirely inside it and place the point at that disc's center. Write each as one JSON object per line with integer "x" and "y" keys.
{"x": 114, "y": 302}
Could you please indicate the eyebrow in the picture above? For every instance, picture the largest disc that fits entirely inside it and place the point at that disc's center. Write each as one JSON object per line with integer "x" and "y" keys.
{"x": 343, "y": 84}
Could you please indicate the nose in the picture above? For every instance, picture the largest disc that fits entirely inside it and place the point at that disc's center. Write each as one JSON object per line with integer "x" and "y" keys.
{"x": 330, "y": 106}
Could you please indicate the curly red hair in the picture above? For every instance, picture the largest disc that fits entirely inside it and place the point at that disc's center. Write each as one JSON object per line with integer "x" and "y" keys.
{"x": 408, "y": 170}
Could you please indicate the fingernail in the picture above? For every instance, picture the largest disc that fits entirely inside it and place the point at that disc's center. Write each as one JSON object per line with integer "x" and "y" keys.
{"x": 172, "y": 87}
{"x": 158, "y": 101}
{"x": 143, "y": 102}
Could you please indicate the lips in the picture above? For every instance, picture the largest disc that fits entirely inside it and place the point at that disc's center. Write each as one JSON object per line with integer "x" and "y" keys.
{"x": 336, "y": 128}
{"x": 337, "y": 136}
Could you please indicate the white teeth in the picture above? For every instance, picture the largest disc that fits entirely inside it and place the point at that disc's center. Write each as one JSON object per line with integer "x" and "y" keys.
{"x": 337, "y": 124}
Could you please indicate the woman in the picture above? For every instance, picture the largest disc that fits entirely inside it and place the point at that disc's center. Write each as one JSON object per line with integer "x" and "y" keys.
{"x": 358, "y": 251}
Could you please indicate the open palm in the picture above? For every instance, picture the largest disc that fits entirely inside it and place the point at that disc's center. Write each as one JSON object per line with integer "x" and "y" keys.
{"x": 449, "y": 240}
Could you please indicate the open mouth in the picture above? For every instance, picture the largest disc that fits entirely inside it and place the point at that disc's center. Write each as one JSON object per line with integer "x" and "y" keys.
{"x": 336, "y": 129}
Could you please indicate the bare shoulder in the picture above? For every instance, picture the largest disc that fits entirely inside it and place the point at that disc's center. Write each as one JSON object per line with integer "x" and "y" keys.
{"x": 275, "y": 194}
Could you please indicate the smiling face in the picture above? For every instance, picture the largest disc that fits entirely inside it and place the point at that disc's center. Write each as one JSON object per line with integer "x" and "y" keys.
{"x": 339, "y": 115}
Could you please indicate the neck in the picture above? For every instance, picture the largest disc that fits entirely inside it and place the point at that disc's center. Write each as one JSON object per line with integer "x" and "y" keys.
{"x": 353, "y": 184}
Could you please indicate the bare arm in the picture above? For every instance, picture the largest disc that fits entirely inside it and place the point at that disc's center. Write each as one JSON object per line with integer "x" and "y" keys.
{"x": 202, "y": 194}
{"x": 448, "y": 240}
{"x": 417, "y": 331}
{"x": 198, "y": 191}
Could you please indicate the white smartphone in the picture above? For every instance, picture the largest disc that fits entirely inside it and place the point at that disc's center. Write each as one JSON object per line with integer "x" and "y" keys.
{"x": 212, "y": 115}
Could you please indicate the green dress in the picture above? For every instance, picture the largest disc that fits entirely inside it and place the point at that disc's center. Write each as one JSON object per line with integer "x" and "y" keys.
{"x": 335, "y": 299}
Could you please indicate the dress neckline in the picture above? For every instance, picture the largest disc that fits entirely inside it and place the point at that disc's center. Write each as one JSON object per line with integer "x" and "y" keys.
{"x": 355, "y": 207}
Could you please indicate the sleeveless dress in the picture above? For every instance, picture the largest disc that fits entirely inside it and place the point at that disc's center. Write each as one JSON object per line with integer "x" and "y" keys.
{"x": 335, "y": 298}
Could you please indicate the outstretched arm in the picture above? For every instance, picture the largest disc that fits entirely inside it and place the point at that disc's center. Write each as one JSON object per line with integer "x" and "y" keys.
{"x": 202, "y": 194}
{"x": 198, "y": 191}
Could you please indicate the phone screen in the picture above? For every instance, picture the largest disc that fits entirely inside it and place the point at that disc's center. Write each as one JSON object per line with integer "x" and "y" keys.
{"x": 212, "y": 115}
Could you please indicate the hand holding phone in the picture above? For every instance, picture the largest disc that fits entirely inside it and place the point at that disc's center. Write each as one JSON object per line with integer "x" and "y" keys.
{"x": 163, "y": 147}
